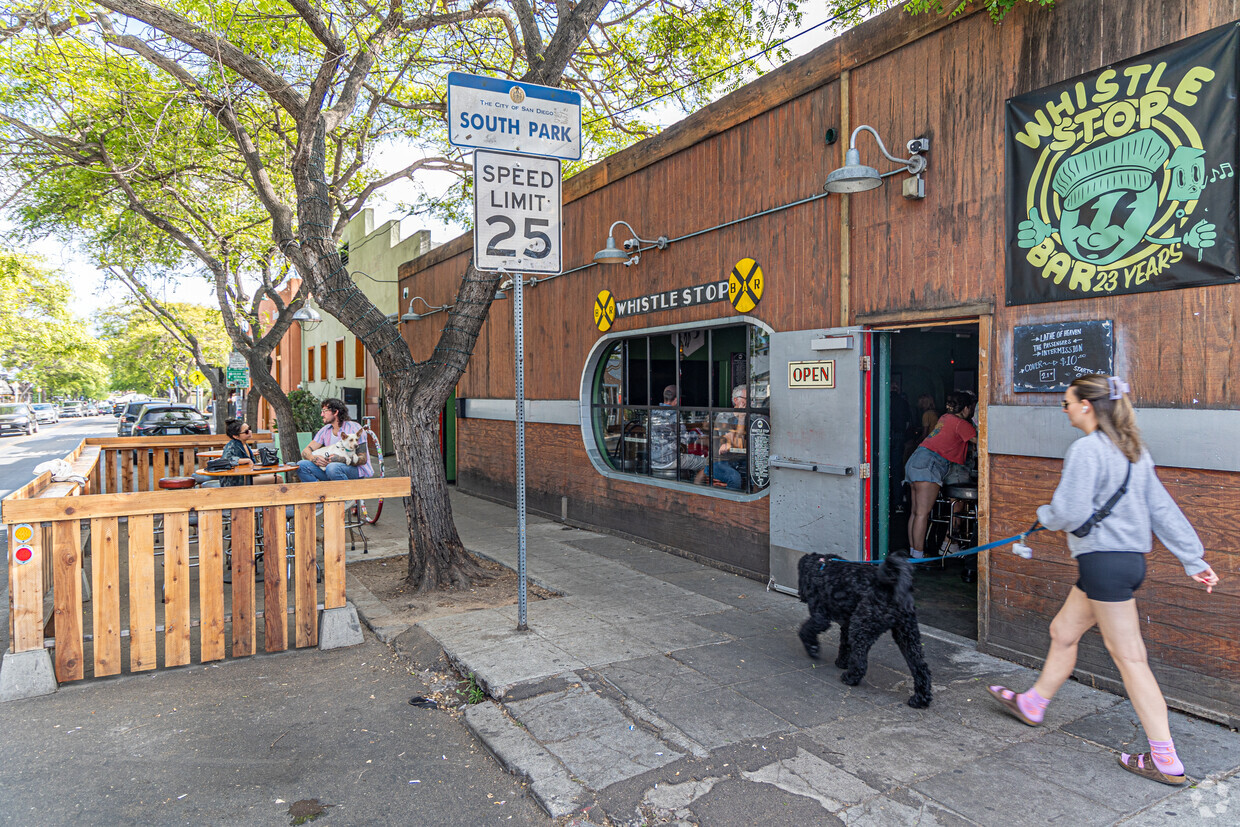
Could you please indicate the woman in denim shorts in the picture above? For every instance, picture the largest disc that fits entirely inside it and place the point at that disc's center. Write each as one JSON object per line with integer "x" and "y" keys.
{"x": 928, "y": 467}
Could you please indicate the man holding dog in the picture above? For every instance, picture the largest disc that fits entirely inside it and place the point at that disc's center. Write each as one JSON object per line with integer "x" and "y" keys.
{"x": 315, "y": 467}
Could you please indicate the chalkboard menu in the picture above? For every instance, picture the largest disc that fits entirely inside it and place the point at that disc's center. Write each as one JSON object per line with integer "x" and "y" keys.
{"x": 1047, "y": 357}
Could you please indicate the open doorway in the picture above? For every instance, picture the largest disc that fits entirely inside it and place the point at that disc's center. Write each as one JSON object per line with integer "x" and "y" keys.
{"x": 917, "y": 367}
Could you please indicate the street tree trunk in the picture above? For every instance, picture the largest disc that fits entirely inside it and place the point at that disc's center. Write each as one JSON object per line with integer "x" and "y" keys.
{"x": 416, "y": 391}
{"x": 266, "y": 387}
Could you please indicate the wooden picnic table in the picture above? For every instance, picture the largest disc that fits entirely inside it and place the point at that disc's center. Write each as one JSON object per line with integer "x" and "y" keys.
{"x": 246, "y": 470}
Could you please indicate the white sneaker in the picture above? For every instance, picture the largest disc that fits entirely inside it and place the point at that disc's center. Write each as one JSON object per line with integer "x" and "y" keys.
{"x": 949, "y": 548}
{"x": 915, "y": 554}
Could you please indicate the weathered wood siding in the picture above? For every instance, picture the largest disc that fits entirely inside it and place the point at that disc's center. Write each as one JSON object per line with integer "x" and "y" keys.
{"x": 1193, "y": 638}
{"x": 763, "y": 147}
{"x": 556, "y": 467}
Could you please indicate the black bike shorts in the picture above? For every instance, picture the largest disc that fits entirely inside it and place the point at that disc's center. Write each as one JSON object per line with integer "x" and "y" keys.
{"x": 1110, "y": 576}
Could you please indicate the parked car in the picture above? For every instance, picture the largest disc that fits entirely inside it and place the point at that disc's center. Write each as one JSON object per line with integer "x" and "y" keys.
{"x": 118, "y": 408}
{"x": 167, "y": 419}
{"x": 129, "y": 416}
{"x": 18, "y": 416}
{"x": 46, "y": 412}
{"x": 68, "y": 409}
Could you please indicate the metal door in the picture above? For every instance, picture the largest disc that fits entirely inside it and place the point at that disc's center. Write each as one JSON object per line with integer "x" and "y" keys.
{"x": 819, "y": 447}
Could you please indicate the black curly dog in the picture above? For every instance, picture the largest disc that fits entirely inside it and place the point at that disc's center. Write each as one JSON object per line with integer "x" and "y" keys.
{"x": 866, "y": 600}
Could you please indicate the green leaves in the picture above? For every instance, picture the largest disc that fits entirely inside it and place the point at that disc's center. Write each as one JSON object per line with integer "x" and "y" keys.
{"x": 39, "y": 338}
{"x": 143, "y": 356}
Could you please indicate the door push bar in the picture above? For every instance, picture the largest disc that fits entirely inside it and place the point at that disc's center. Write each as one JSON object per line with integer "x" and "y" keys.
{"x": 810, "y": 465}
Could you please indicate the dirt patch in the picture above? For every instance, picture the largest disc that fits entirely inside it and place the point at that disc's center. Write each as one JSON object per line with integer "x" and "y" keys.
{"x": 386, "y": 580}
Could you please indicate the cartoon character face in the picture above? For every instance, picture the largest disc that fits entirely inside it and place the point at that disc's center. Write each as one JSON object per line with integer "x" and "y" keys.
{"x": 1186, "y": 174}
{"x": 1109, "y": 226}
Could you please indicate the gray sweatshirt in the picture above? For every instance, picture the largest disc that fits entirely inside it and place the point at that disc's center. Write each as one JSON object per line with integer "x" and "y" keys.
{"x": 1093, "y": 470}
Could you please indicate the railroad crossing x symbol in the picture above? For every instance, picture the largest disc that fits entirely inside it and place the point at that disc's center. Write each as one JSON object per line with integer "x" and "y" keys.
{"x": 745, "y": 285}
{"x": 605, "y": 310}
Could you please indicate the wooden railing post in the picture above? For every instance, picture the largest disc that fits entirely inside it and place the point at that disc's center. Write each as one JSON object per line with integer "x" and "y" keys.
{"x": 67, "y": 596}
{"x": 26, "y": 586}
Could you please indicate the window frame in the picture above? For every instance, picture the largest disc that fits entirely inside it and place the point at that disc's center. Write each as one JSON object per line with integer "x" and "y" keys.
{"x": 587, "y": 408}
{"x": 340, "y": 358}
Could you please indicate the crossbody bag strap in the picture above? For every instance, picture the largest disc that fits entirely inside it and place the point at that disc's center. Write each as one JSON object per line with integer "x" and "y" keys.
{"x": 1102, "y": 513}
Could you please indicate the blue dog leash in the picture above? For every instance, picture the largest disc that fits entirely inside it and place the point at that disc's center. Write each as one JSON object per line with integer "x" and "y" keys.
{"x": 1015, "y": 538}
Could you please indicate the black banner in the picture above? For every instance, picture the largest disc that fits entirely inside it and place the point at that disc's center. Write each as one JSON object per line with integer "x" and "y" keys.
{"x": 715, "y": 291}
{"x": 1124, "y": 180}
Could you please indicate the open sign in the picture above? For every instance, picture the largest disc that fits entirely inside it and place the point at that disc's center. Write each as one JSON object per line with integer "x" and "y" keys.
{"x": 811, "y": 374}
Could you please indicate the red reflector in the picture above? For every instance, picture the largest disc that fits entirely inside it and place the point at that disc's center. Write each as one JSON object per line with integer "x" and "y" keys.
{"x": 23, "y": 554}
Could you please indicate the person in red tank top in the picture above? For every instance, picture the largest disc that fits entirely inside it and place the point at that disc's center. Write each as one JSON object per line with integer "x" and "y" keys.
{"x": 929, "y": 464}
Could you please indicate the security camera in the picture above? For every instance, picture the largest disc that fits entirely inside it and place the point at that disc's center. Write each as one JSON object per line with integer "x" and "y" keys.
{"x": 629, "y": 262}
{"x": 631, "y": 244}
{"x": 917, "y": 146}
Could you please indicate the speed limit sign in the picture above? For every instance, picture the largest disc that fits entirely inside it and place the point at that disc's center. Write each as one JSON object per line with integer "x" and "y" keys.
{"x": 517, "y": 213}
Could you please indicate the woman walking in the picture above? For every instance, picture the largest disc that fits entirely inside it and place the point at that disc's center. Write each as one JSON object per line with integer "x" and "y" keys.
{"x": 927, "y": 469}
{"x": 1110, "y": 467}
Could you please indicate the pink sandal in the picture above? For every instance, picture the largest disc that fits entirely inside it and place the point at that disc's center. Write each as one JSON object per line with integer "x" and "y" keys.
{"x": 1007, "y": 697}
{"x": 1143, "y": 765}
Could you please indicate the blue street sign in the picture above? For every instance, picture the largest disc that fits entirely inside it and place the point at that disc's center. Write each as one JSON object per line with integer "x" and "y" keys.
{"x": 489, "y": 113}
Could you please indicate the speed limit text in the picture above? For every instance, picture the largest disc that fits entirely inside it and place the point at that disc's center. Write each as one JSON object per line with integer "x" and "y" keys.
{"x": 517, "y": 188}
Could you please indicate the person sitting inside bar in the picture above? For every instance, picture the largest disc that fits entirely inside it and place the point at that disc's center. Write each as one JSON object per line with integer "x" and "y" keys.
{"x": 730, "y": 448}
{"x": 664, "y": 446}
{"x": 336, "y": 424}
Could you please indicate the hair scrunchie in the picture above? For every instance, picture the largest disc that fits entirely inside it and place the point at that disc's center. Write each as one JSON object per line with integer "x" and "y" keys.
{"x": 1117, "y": 386}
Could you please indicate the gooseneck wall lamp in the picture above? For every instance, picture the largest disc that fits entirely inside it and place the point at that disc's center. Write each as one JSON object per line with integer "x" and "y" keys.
{"x": 411, "y": 316}
{"x": 855, "y": 176}
{"x": 628, "y": 253}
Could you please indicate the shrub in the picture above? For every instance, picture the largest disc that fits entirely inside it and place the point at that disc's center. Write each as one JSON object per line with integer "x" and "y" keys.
{"x": 307, "y": 410}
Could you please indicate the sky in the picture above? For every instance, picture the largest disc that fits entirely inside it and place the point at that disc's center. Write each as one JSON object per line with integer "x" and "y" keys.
{"x": 92, "y": 293}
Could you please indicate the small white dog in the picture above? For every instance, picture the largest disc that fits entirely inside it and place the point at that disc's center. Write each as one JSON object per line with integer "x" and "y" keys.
{"x": 345, "y": 450}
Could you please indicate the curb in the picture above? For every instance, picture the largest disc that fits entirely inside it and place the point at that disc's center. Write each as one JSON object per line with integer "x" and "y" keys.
{"x": 518, "y": 753}
{"x": 373, "y": 613}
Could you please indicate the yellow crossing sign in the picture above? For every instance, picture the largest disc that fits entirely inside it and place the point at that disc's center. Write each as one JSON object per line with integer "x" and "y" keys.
{"x": 745, "y": 285}
{"x": 604, "y": 310}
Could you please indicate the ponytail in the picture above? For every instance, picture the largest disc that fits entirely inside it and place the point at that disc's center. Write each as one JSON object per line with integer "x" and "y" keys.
{"x": 1116, "y": 416}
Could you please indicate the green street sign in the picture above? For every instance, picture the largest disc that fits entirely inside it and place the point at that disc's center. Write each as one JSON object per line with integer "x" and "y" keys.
{"x": 237, "y": 377}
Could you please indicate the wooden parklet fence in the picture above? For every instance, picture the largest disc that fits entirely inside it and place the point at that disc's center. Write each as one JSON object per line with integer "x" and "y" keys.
{"x": 159, "y": 522}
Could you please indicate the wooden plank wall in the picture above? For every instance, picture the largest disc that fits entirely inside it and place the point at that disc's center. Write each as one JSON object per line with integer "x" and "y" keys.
{"x": 1193, "y": 637}
{"x": 730, "y": 533}
{"x": 948, "y": 82}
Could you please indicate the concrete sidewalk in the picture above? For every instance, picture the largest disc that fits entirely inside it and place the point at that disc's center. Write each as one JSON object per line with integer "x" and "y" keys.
{"x": 662, "y": 690}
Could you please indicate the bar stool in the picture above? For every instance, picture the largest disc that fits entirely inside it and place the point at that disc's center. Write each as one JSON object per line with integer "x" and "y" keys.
{"x": 176, "y": 484}
{"x": 961, "y": 514}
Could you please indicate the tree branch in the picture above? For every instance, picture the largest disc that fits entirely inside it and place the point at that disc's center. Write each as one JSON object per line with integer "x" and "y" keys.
{"x": 217, "y": 48}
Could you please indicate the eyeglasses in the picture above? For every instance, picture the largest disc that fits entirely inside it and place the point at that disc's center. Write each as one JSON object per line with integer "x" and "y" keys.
{"x": 1064, "y": 404}
{"x": 247, "y": 430}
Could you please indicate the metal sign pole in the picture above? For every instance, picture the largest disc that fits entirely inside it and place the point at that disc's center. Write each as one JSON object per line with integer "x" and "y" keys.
{"x": 518, "y": 313}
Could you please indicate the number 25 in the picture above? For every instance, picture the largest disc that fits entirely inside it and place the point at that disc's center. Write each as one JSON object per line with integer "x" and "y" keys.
{"x": 531, "y": 233}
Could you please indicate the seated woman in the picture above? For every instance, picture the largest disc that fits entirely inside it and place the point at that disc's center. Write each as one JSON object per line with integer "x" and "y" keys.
{"x": 238, "y": 448}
